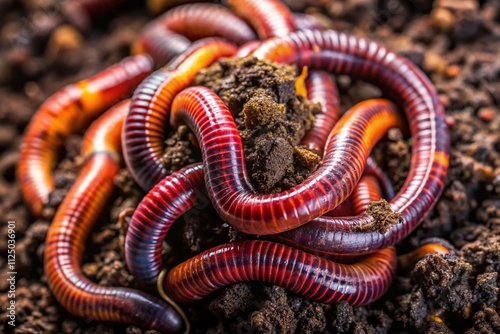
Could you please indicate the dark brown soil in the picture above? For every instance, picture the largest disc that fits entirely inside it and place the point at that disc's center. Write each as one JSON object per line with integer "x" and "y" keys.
{"x": 454, "y": 42}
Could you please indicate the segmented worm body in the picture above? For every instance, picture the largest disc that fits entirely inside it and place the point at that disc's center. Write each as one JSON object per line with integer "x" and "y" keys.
{"x": 226, "y": 176}
{"x": 144, "y": 130}
{"x": 321, "y": 89}
{"x": 269, "y": 18}
{"x": 71, "y": 226}
{"x": 309, "y": 276}
{"x": 172, "y": 33}
{"x": 68, "y": 111}
{"x": 160, "y": 208}
{"x": 343, "y": 54}
{"x": 314, "y": 216}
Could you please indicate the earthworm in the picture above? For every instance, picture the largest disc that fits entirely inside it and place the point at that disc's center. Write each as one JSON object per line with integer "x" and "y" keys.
{"x": 213, "y": 124}
{"x": 167, "y": 201}
{"x": 307, "y": 275}
{"x": 94, "y": 7}
{"x": 430, "y": 246}
{"x": 321, "y": 89}
{"x": 366, "y": 191}
{"x": 145, "y": 125}
{"x": 66, "y": 239}
{"x": 247, "y": 48}
{"x": 268, "y": 17}
{"x": 340, "y": 53}
{"x": 173, "y": 32}
{"x": 226, "y": 177}
{"x": 361, "y": 283}
{"x": 66, "y": 112}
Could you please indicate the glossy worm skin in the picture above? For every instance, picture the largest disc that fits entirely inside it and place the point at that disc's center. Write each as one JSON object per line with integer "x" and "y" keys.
{"x": 321, "y": 89}
{"x": 366, "y": 191}
{"x": 408, "y": 261}
{"x": 172, "y": 33}
{"x": 226, "y": 177}
{"x": 176, "y": 193}
{"x": 67, "y": 235}
{"x": 307, "y": 275}
{"x": 144, "y": 131}
{"x": 269, "y": 18}
{"x": 160, "y": 208}
{"x": 340, "y": 53}
{"x": 66, "y": 112}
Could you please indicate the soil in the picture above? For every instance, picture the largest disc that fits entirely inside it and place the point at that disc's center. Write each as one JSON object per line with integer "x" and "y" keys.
{"x": 454, "y": 42}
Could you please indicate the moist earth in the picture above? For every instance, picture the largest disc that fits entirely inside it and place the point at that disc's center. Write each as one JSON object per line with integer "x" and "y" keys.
{"x": 455, "y": 43}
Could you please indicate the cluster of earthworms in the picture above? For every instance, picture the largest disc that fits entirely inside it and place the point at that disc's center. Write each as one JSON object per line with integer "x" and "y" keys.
{"x": 326, "y": 214}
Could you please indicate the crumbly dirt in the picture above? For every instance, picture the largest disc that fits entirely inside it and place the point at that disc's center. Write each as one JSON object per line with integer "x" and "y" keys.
{"x": 271, "y": 118}
{"x": 454, "y": 42}
{"x": 383, "y": 216}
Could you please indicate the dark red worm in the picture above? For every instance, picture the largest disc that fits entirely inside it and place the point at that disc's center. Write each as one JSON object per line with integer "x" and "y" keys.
{"x": 69, "y": 111}
{"x": 172, "y": 33}
{"x": 73, "y": 222}
{"x": 399, "y": 78}
{"x": 144, "y": 131}
{"x": 220, "y": 143}
{"x": 428, "y": 246}
{"x": 226, "y": 176}
{"x": 366, "y": 191}
{"x": 321, "y": 89}
{"x": 268, "y": 17}
{"x": 159, "y": 209}
{"x": 310, "y": 276}
{"x": 307, "y": 275}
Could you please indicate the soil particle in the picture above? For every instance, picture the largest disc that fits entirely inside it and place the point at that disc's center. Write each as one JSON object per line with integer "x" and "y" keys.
{"x": 445, "y": 283}
{"x": 384, "y": 217}
{"x": 180, "y": 150}
{"x": 271, "y": 118}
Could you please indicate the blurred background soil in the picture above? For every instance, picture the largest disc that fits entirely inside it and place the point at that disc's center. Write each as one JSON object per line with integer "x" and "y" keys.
{"x": 456, "y": 43}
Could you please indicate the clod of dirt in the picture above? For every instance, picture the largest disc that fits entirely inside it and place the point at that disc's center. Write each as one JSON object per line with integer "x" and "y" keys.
{"x": 383, "y": 216}
{"x": 271, "y": 118}
{"x": 179, "y": 150}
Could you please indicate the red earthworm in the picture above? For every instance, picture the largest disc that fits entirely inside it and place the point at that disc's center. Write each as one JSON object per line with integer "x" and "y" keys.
{"x": 247, "y": 48}
{"x": 172, "y": 33}
{"x": 307, "y": 275}
{"x": 145, "y": 126}
{"x": 268, "y": 17}
{"x": 68, "y": 111}
{"x": 66, "y": 239}
{"x": 159, "y": 209}
{"x": 94, "y": 7}
{"x": 365, "y": 192}
{"x": 175, "y": 194}
{"x": 321, "y": 89}
{"x": 399, "y": 78}
{"x": 373, "y": 169}
{"x": 408, "y": 260}
{"x": 226, "y": 176}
